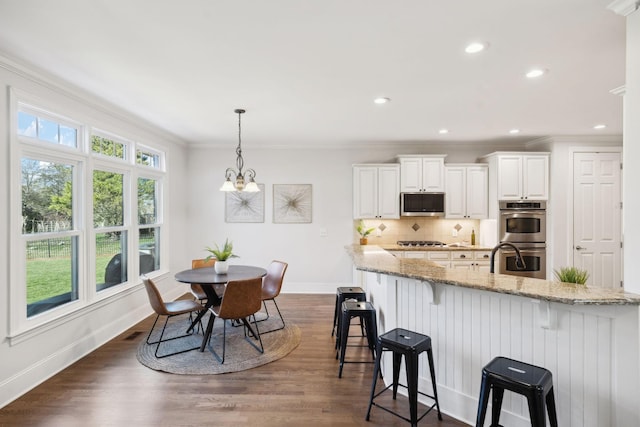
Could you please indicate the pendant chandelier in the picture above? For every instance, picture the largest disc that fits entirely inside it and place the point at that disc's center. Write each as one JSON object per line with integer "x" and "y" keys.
{"x": 239, "y": 184}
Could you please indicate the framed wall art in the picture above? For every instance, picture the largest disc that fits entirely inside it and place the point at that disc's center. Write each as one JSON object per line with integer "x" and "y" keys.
{"x": 291, "y": 203}
{"x": 241, "y": 206}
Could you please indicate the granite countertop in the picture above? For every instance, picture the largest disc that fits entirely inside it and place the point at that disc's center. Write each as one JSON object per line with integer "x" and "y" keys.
{"x": 376, "y": 259}
{"x": 395, "y": 247}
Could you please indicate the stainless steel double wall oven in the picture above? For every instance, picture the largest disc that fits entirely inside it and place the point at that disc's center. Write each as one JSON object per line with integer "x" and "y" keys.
{"x": 524, "y": 224}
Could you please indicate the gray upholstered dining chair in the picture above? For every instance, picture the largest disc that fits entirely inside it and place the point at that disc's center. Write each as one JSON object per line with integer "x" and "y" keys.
{"x": 169, "y": 309}
{"x": 271, "y": 287}
{"x": 242, "y": 299}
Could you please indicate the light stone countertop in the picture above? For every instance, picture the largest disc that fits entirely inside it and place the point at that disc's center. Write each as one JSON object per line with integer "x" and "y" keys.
{"x": 376, "y": 259}
{"x": 395, "y": 247}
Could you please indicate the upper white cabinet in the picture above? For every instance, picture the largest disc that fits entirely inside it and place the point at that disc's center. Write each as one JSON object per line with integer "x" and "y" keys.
{"x": 521, "y": 176}
{"x": 376, "y": 191}
{"x": 422, "y": 173}
{"x": 467, "y": 191}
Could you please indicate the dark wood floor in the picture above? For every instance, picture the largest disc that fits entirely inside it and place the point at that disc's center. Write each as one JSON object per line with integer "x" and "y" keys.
{"x": 110, "y": 387}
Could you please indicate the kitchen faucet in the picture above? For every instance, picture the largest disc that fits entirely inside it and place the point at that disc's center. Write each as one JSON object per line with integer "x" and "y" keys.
{"x": 520, "y": 265}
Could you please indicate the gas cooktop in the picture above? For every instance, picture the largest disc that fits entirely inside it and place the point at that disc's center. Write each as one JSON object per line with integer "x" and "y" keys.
{"x": 419, "y": 243}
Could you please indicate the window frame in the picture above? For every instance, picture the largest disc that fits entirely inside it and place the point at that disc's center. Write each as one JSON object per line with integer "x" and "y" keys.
{"x": 85, "y": 162}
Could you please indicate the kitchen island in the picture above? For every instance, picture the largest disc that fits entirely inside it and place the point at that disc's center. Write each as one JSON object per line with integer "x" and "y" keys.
{"x": 587, "y": 337}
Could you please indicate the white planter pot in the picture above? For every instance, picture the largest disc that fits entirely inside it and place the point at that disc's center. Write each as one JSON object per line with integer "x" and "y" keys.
{"x": 221, "y": 267}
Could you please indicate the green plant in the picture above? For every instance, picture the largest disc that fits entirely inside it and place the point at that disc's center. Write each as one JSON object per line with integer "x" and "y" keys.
{"x": 222, "y": 254}
{"x": 572, "y": 275}
{"x": 362, "y": 229}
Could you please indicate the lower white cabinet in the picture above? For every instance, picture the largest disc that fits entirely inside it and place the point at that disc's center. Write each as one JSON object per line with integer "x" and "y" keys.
{"x": 471, "y": 260}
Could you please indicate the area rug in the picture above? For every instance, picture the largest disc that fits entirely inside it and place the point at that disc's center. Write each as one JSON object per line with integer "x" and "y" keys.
{"x": 240, "y": 355}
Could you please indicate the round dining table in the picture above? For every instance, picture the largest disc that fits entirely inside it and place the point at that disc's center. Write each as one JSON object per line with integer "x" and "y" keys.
{"x": 207, "y": 278}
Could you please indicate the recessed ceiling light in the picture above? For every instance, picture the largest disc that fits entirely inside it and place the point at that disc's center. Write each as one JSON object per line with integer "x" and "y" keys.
{"x": 514, "y": 131}
{"x": 476, "y": 47}
{"x": 536, "y": 72}
{"x": 600, "y": 126}
{"x": 443, "y": 131}
{"x": 381, "y": 100}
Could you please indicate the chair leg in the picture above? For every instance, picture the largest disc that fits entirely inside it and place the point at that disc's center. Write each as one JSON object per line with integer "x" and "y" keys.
{"x": 224, "y": 339}
{"x": 279, "y": 314}
{"x": 376, "y": 372}
{"x": 261, "y": 349}
{"x": 160, "y": 340}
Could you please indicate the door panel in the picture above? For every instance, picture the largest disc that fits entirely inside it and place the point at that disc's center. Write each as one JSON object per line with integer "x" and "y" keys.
{"x": 597, "y": 217}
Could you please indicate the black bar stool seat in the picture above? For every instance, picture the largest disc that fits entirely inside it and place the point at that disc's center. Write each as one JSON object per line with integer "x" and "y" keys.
{"x": 367, "y": 314}
{"x": 343, "y": 294}
{"x": 534, "y": 382}
{"x": 408, "y": 344}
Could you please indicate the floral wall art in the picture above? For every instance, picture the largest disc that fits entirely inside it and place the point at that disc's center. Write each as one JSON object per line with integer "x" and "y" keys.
{"x": 291, "y": 203}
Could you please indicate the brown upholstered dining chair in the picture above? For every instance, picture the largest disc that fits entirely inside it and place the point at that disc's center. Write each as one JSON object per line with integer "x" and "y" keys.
{"x": 169, "y": 309}
{"x": 196, "y": 289}
{"x": 271, "y": 287}
{"x": 241, "y": 301}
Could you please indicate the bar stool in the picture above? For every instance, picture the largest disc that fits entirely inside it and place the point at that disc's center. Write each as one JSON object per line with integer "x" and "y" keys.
{"x": 367, "y": 314}
{"x": 342, "y": 294}
{"x": 531, "y": 381}
{"x": 408, "y": 344}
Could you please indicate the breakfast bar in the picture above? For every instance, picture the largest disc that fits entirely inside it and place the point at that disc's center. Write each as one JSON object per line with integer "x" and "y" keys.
{"x": 588, "y": 337}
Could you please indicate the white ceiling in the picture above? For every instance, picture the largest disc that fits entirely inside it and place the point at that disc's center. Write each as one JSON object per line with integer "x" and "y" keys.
{"x": 307, "y": 71}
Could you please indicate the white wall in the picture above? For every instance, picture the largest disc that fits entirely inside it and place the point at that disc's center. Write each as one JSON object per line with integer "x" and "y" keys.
{"x": 40, "y": 355}
{"x": 316, "y": 264}
{"x": 631, "y": 154}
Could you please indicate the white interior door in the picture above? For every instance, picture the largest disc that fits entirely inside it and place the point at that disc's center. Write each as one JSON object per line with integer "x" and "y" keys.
{"x": 597, "y": 217}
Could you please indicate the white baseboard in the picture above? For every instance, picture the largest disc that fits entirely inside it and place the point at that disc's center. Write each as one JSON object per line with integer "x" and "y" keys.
{"x": 35, "y": 374}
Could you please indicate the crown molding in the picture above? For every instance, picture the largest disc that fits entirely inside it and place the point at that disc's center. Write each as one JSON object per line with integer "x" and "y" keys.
{"x": 624, "y": 7}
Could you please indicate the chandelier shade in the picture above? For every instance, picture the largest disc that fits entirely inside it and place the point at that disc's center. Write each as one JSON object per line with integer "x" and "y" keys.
{"x": 238, "y": 183}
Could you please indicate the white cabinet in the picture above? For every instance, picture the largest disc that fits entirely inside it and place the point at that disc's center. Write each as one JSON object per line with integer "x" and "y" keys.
{"x": 523, "y": 176}
{"x": 376, "y": 191}
{"x": 422, "y": 173}
{"x": 467, "y": 191}
{"x": 439, "y": 257}
{"x": 471, "y": 260}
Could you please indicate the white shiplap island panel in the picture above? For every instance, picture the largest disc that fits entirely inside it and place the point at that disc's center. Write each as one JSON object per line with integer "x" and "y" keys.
{"x": 589, "y": 347}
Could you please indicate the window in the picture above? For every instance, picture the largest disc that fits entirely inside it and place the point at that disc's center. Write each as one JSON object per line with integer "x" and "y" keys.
{"x": 110, "y": 231}
{"x": 49, "y": 130}
{"x": 108, "y": 147}
{"x": 148, "y": 158}
{"x": 148, "y": 224}
{"x": 90, "y": 215}
{"x": 47, "y": 227}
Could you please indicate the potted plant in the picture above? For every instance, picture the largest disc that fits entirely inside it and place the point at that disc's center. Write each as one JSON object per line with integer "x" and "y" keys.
{"x": 363, "y": 231}
{"x": 572, "y": 275}
{"x": 221, "y": 255}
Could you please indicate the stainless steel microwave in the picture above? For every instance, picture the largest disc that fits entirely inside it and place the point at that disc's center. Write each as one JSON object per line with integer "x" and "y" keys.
{"x": 422, "y": 204}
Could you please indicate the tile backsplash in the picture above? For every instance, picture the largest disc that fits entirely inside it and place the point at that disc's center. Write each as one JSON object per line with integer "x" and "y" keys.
{"x": 389, "y": 231}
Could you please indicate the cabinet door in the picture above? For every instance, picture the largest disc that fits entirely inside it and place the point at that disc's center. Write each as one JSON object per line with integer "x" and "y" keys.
{"x": 477, "y": 192}
{"x": 535, "y": 181}
{"x": 462, "y": 265}
{"x": 509, "y": 177}
{"x": 365, "y": 192}
{"x": 433, "y": 174}
{"x": 455, "y": 197}
{"x": 439, "y": 257}
{"x": 415, "y": 254}
{"x": 482, "y": 267}
{"x": 411, "y": 175}
{"x": 389, "y": 191}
